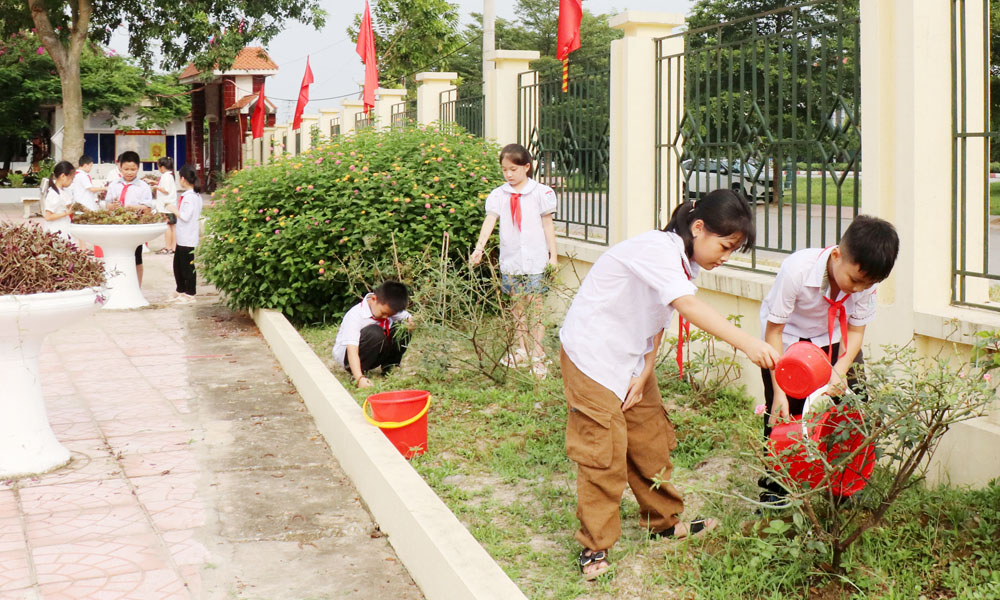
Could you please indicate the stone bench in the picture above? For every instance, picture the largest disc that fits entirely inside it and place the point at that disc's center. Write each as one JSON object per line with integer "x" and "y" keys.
{"x": 28, "y": 201}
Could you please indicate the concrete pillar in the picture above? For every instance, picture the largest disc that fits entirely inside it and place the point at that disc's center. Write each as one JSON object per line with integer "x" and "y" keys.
{"x": 349, "y": 113}
{"x": 429, "y": 88}
{"x": 385, "y": 99}
{"x": 633, "y": 111}
{"x": 267, "y": 151}
{"x": 306, "y": 130}
{"x": 500, "y": 90}
{"x": 328, "y": 117}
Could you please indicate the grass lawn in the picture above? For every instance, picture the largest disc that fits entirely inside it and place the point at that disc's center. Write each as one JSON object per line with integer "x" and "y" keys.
{"x": 811, "y": 189}
{"x": 496, "y": 457}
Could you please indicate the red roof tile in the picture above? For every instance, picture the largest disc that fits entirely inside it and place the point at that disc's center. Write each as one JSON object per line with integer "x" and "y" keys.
{"x": 251, "y": 58}
{"x": 247, "y": 100}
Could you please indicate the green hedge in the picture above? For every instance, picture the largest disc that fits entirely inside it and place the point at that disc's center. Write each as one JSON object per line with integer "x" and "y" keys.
{"x": 285, "y": 235}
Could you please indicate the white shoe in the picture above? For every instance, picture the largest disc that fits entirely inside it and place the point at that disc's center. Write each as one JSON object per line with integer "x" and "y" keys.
{"x": 518, "y": 358}
{"x": 539, "y": 370}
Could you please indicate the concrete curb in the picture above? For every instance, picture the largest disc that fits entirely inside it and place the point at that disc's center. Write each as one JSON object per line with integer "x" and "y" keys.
{"x": 438, "y": 551}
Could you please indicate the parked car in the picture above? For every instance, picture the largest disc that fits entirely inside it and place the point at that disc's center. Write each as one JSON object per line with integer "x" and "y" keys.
{"x": 707, "y": 175}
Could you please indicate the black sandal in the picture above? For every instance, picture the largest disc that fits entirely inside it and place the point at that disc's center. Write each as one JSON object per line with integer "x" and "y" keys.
{"x": 695, "y": 528}
{"x": 589, "y": 557}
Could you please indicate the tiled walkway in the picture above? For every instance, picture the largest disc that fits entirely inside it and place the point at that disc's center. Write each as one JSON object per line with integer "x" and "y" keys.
{"x": 196, "y": 471}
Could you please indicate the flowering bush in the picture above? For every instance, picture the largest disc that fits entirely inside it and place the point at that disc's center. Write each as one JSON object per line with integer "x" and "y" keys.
{"x": 282, "y": 235}
{"x": 35, "y": 261}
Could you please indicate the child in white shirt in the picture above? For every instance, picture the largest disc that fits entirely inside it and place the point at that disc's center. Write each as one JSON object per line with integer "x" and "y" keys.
{"x": 617, "y": 429}
{"x": 816, "y": 296}
{"x": 525, "y": 210}
{"x": 188, "y": 211}
{"x": 84, "y": 190}
{"x": 371, "y": 334}
{"x": 166, "y": 195}
{"x": 58, "y": 199}
{"x": 132, "y": 193}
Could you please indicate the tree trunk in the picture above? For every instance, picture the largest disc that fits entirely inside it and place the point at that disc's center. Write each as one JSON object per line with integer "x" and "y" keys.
{"x": 72, "y": 105}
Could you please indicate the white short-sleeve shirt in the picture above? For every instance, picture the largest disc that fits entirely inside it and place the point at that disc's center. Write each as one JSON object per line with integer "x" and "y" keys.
{"x": 82, "y": 183}
{"x": 524, "y": 251}
{"x": 623, "y": 302}
{"x": 188, "y": 219}
{"x": 56, "y": 201}
{"x": 138, "y": 193}
{"x": 356, "y": 319}
{"x": 169, "y": 183}
{"x": 796, "y": 300}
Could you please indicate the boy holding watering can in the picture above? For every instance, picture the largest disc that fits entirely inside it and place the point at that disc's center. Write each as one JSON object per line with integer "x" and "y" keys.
{"x": 827, "y": 297}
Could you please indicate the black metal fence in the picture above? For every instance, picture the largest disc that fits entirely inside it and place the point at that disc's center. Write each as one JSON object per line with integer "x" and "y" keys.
{"x": 334, "y": 127}
{"x": 403, "y": 114}
{"x": 568, "y": 135}
{"x": 768, "y": 106}
{"x": 464, "y": 105}
{"x": 364, "y": 121}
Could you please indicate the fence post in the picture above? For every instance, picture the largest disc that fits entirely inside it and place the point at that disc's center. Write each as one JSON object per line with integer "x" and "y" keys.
{"x": 501, "y": 96}
{"x": 429, "y": 88}
{"x": 308, "y": 122}
{"x": 632, "y": 162}
{"x": 327, "y": 117}
{"x": 351, "y": 108}
{"x": 383, "y": 106}
{"x": 267, "y": 152}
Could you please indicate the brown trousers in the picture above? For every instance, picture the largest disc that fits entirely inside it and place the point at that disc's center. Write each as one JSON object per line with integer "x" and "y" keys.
{"x": 612, "y": 448}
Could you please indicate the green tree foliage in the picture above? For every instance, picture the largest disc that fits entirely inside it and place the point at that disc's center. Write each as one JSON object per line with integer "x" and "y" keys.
{"x": 762, "y": 83}
{"x": 289, "y": 234}
{"x": 28, "y": 80}
{"x": 410, "y": 35}
{"x": 205, "y": 31}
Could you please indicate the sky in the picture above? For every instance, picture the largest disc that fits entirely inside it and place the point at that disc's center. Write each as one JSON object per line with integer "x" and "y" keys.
{"x": 337, "y": 70}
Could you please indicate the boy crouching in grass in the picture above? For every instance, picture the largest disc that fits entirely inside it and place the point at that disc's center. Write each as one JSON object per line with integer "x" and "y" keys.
{"x": 372, "y": 335}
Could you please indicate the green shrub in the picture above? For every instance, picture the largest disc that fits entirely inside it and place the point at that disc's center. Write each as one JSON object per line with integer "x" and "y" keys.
{"x": 283, "y": 235}
{"x": 995, "y": 167}
{"x": 15, "y": 179}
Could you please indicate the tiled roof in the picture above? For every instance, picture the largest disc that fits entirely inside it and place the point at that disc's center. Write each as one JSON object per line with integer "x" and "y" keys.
{"x": 251, "y": 58}
{"x": 239, "y": 104}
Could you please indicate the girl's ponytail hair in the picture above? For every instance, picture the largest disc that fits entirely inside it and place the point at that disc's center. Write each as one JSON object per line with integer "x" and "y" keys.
{"x": 188, "y": 174}
{"x": 724, "y": 212}
{"x": 63, "y": 167}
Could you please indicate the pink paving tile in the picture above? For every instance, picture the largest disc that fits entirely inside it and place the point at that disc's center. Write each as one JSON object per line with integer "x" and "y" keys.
{"x": 94, "y": 448}
{"x": 82, "y": 467}
{"x": 192, "y": 575}
{"x": 178, "y": 394}
{"x": 156, "y": 463}
{"x": 62, "y": 414}
{"x": 157, "y": 360}
{"x": 185, "y": 548}
{"x": 93, "y": 559}
{"x": 11, "y": 535}
{"x": 162, "y": 584}
{"x": 61, "y": 388}
{"x": 14, "y": 571}
{"x": 171, "y": 500}
{"x": 76, "y": 431}
{"x": 142, "y": 426}
{"x": 8, "y": 503}
{"x": 124, "y": 372}
{"x": 172, "y": 371}
{"x": 86, "y": 524}
{"x": 46, "y": 499}
{"x": 182, "y": 406}
{"x": 135, "y": 387}
{"x": 154, "y": 442}
{"x": 138, "y": 409}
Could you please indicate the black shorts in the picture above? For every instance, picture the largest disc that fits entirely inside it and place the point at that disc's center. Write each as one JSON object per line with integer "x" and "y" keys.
{"x": 138, "y": 255}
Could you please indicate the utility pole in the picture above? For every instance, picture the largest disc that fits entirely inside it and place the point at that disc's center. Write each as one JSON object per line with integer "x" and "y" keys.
{"x": 489, "y": 34}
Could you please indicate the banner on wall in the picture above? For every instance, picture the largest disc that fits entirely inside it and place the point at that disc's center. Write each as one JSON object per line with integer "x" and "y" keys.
{"x": 150, "y": 144}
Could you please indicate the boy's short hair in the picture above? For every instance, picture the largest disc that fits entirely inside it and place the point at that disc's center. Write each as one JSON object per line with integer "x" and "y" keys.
{"x": 85, "y": 160}
{"x": 394, "y": 294}
{"x": 872, "y": 244}
{"x": 129, "y": 156}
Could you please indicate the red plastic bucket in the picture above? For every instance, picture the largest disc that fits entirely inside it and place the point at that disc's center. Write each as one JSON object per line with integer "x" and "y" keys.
{"x": 802, "y": 369}
{"x": 792, "y": 457}
{"x": 402, "y": 417}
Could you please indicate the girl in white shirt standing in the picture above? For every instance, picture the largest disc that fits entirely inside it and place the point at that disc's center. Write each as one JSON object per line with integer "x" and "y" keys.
{"x": 617, "y": 429}
{"x": 188, "y": 211}
{"x": 524, "y": 209}
{"x": 58, "y": 199}
{"x": 166, "y": 195}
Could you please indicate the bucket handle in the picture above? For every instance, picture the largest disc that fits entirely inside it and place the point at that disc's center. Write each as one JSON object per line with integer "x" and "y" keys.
{"x": 813, "y": 397}
{"x": 395, "y": 424}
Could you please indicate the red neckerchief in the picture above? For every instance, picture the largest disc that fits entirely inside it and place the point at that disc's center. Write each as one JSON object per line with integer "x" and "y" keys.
{"x": 834, "y": 310}
{"x": 384, "y": 324}
{"x": 515, "y": 209}
{"x": 124, "y": 189}
{"x": 683, "y": 331}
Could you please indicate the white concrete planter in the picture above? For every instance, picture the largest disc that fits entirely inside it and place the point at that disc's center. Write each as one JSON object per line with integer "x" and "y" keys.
{"x": 118, "y": 242}
{"x": 14, "y": 195}
{"x": 27, "y": 444}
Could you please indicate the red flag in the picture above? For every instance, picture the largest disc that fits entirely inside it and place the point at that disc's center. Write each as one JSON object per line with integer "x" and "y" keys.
{"x": 307, "y": 80}
{"x": 568, "y": 40}
{"x": 259, "y": 115}
{"x": 366, "y": 50}
{"x": 570, "y": 15}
